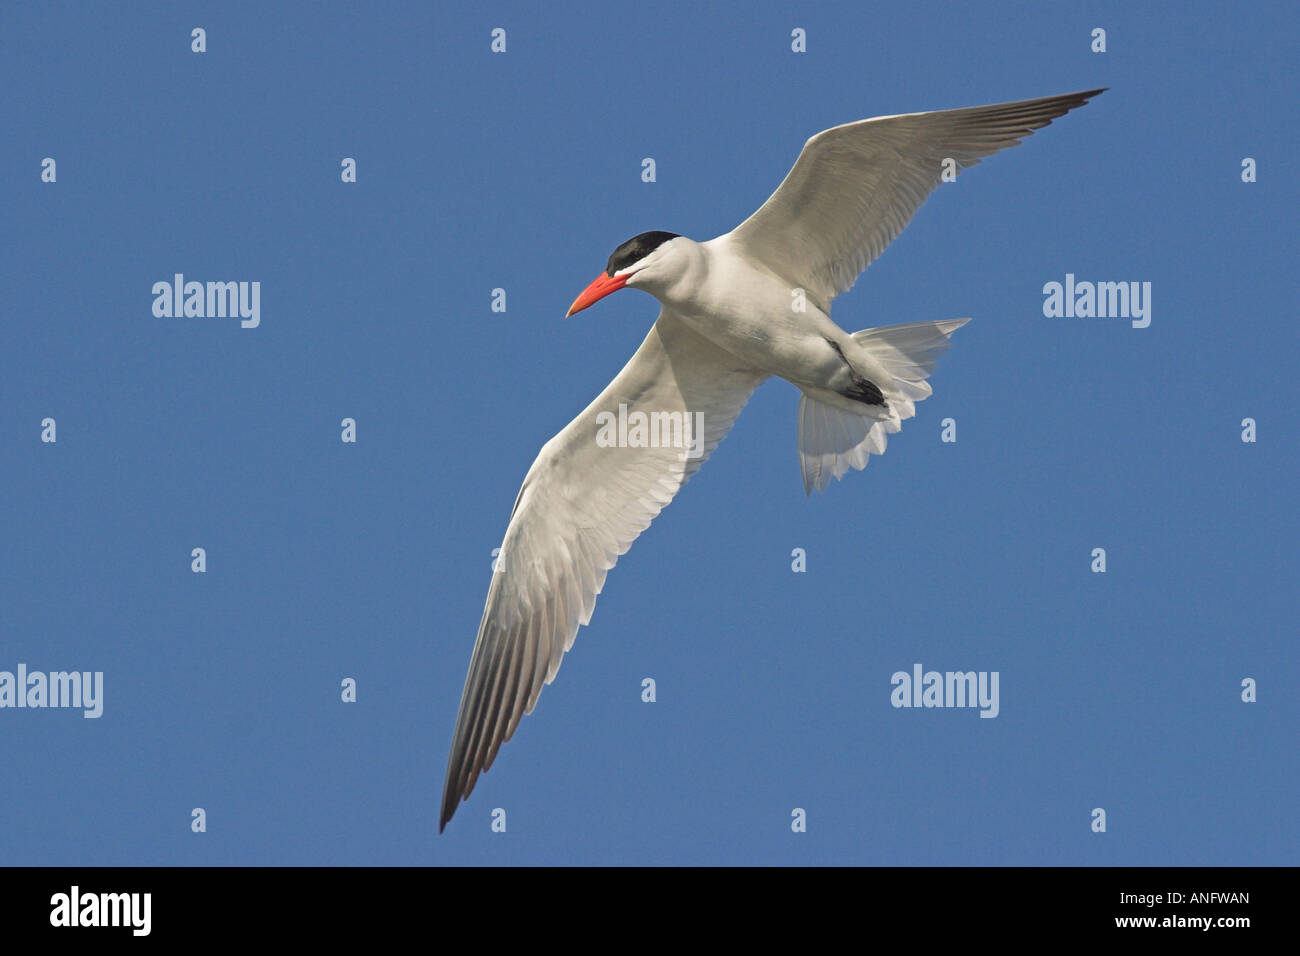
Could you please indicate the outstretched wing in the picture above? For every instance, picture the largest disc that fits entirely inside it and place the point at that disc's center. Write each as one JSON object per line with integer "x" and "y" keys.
{"x": 583, "y": 503}
{"x": 855, "y": 187}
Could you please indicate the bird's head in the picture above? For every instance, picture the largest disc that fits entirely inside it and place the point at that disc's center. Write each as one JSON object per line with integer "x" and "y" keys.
{"x": 644, "y": 261}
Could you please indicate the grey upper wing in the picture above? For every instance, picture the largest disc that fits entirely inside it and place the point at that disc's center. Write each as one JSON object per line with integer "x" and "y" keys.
{"x": 855, "y": 187}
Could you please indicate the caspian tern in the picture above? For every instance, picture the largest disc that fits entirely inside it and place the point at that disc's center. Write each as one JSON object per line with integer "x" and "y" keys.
{"x": 736, "y": 310}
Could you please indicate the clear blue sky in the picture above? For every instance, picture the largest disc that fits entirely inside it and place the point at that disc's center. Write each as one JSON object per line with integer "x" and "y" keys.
{"x": 522, "y": 171}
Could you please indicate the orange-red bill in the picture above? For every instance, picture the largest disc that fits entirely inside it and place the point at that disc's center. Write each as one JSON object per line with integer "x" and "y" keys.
{"x": 601, "y": 287}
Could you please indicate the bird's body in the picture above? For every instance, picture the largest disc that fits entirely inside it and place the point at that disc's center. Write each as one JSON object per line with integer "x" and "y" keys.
{"x": 736, "y": 310}
{"x": 766, "y": 321}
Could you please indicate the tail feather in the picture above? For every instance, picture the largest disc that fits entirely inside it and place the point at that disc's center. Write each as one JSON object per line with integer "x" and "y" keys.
{"x": 832, "y": 440}
{"x": 909, "y": 351}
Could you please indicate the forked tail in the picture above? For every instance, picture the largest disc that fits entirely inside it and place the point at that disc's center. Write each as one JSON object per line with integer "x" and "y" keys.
{"x": 832, "y": 439}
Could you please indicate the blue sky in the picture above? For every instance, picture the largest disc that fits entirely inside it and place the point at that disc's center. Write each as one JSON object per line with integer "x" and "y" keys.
{"x": 521, "y": 171}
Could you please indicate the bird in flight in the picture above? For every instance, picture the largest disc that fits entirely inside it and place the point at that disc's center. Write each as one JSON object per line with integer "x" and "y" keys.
{"x": 735, "y": 311}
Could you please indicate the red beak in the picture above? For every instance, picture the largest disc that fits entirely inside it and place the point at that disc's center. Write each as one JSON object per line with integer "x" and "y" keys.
{"x": 601, "y": 287}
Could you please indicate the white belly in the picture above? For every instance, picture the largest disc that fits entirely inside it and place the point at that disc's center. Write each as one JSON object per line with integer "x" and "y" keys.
{"x": 769, "y": 323}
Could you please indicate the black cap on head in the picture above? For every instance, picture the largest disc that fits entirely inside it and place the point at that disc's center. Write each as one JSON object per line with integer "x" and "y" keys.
{"x": 636, "y": 249}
